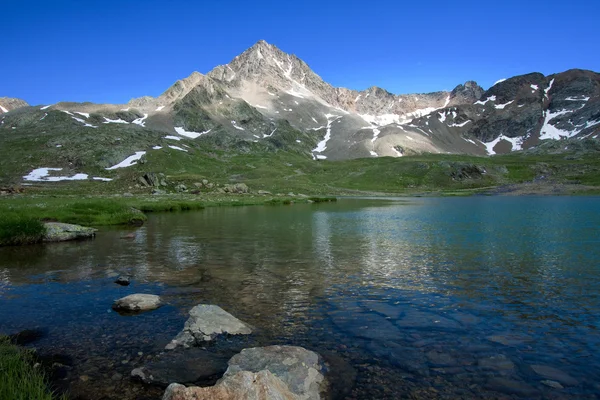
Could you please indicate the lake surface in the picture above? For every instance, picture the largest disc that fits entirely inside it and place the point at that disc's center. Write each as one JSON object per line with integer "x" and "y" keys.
{"x": 481, "y": 297}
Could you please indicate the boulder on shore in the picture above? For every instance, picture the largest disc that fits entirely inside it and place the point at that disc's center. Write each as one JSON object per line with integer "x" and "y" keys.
{"x": 236, "y": 188}
{"x": 300, "y": 369}
{"x": 243, "y": 385}
{"x": 138, "y": 302}
{"x": 60, "y": 232}
{"x": 265, "y": 373}
{"x": 206, "y": 322}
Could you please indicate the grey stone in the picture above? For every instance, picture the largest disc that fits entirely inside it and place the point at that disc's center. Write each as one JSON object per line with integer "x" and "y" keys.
{"x": 138, "y": 302}
{"x": 59, "y": 232}
{"x": 300, "y": 369}
{"x": 264, "y": 192}
{"x": 123, "y": 281}
{"x": 205, "y": 182}
{"x": 236, "y": 188}
{"x": 206, "y": 322}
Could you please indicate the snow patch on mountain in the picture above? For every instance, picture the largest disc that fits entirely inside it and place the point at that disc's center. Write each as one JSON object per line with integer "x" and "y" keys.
{"x": 192, "y": 135}
{"x": 114, "y": 121}
{"x": 501, "y": 106}
{"x": 177, "y": 148}
{"x": 583, "y": 98}
{"x": 322, "y": 145}
{"x": 460, "y": 125}
{"x": 236, "y": 126}
{"x": 549, "y": 131}
{"x": 42, "y": 175}
{"x": 547, "y": 90}
{"x": 129, "y": 161}
{"x": 491, "y": 98}
{"x": 515, "y": 142}
{"x": 140, "y": 121}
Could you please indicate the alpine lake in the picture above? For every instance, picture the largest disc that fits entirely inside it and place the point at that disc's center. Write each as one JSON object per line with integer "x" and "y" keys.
{"x": 420, "y": 298}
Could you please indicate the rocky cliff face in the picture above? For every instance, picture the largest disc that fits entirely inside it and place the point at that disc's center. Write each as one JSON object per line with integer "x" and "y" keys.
{"x": 517, "y": 113}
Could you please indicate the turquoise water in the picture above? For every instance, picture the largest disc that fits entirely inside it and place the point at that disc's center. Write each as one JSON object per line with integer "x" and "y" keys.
{"x": 429, "y": 298}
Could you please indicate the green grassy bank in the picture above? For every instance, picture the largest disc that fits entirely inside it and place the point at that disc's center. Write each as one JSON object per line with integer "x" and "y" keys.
{"x": 19, "y": 380}
{"x": 22, "y": 216}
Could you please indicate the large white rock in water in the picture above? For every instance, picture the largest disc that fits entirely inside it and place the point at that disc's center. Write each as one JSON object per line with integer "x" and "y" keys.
{"x": 300, "y": 369}
{"x": 60, "y": 232}
{"x": 207, "y": 322}
{"x": 137, "y": 303}
{"x": 243, "y": 385}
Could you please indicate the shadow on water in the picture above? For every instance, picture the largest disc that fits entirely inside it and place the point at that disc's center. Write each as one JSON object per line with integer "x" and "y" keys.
{"x": 425, "y": 298}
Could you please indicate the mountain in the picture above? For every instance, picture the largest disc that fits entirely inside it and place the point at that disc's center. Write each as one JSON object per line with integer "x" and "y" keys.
{"x": 267, "y": 101}
{"x": 519, "y": 112}
{"x": 7, "y": 104}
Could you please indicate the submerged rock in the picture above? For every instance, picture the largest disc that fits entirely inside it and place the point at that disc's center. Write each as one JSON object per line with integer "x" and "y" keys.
{"x": 123, "y": 281}
{"x": 243, "y": 385}
{"x": 60, "y": 232}
{"x": 207, "y": 322}
{"x": 499, "y": 363}
{"x": 190, "y": 367}
{"x": 509, "y": 339}
{"x": 300, "y": 369}
{"x": 552, "y": 384}
{"x": 138, "y": 302}
{"x": 554, "y": 374}
{"x": 510, "y": 386}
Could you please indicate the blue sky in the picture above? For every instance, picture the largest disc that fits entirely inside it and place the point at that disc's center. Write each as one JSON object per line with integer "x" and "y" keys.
{"x": 110, "y": 51}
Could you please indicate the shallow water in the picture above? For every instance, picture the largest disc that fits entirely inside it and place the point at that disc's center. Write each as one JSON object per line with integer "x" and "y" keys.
{"x": 422, "y": 298}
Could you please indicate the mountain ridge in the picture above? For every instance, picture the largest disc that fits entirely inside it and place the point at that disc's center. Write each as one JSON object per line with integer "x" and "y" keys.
{"x": 267, "y": 96}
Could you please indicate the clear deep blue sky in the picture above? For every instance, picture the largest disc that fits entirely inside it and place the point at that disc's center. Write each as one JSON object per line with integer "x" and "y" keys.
{"x": 110, "y": 51}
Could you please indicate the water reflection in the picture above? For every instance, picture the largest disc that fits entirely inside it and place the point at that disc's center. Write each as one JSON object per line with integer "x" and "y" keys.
{"x": 442, "y": 275}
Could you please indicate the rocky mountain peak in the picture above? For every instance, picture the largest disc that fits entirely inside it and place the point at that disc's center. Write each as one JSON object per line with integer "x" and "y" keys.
{"x": 8, "y": 104}
{"x": 468, "y": 93}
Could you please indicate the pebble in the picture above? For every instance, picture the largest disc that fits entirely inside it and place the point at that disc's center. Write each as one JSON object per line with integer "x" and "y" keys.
{"x": 84, "y": 378}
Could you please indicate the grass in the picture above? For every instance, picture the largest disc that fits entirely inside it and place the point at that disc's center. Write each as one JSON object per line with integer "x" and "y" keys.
{"x": 16, "y": 229}
{"x": 22, "y": 217}
{"x": 19, "y": 380}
